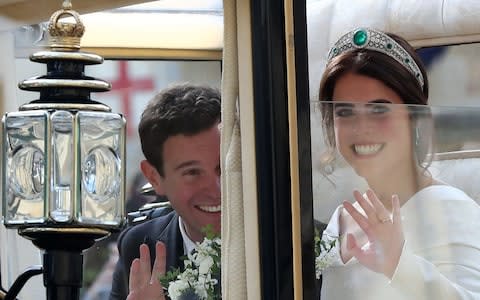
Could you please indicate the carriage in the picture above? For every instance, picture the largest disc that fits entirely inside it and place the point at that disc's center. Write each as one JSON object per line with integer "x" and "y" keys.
{"x": 267, "y": 57}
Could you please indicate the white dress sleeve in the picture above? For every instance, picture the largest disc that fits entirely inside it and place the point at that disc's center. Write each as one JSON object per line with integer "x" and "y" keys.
{"x": 442, "y": 258}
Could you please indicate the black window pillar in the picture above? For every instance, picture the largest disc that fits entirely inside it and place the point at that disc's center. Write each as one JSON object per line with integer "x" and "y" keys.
{"x": 272, "y": 148}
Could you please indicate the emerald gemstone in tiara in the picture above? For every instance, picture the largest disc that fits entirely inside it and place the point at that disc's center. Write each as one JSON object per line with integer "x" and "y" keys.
{"x": 374, "y": 40}
{"x": 360, "y": 37}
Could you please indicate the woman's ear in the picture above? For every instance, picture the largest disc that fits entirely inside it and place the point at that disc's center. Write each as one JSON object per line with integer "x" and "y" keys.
{"x": 152, "y": 175}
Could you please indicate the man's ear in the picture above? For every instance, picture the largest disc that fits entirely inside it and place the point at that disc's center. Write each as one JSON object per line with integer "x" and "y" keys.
{"x": 152, "y": 175}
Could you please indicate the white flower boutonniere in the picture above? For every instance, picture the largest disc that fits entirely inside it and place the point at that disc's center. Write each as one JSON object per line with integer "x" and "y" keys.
{"x": 199, "y": 279}
{"x": 324, "y": 256}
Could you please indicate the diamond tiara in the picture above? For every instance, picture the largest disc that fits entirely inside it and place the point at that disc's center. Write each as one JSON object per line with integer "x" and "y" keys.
{"x": 365, "y": 38}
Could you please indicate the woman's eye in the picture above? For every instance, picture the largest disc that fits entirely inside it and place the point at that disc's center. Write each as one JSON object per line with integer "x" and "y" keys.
{"x": 379, "y": 109}
{"x": 343, "y": 112}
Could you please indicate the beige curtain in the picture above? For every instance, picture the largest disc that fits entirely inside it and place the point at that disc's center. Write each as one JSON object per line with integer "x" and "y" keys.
{"x": 233, "y": 234}
{"x": 240, "y": 261}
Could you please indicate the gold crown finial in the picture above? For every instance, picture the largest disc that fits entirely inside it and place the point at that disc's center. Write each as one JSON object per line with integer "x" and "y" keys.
{"x": 65, "y": 36}
{"x": 67, "y": 4}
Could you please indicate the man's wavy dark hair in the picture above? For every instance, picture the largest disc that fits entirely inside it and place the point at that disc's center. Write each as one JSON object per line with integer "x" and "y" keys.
{"x": 185, "y": 109}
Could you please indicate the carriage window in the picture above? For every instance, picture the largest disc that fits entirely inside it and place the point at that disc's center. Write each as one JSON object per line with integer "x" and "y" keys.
{"x": 454, "y": 78}
{"x": 453, "y": 74}
{"x": 137, "y": 69}
{"x": 134, "y": 83}
{"x": 370, "y": 154}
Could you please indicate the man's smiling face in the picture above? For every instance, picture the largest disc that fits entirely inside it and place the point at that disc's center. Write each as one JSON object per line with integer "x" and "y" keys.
{"x": 191, "y": 179}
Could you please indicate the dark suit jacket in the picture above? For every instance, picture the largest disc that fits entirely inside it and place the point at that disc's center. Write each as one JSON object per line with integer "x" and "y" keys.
{"x": 165, "y": 229}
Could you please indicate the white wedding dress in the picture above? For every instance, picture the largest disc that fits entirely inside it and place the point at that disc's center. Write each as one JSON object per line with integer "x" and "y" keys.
{"x": 440, "y": 260}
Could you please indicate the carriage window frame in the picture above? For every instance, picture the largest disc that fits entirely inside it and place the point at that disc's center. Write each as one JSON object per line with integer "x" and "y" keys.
{"x": 308, "y": 203}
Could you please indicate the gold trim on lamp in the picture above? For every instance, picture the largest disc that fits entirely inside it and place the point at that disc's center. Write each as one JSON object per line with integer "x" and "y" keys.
{"x": 65, "y": 36}
{"x": 37, "y": 83}
{"x": 64, "y": 106}
{"x": 73, "y": 230}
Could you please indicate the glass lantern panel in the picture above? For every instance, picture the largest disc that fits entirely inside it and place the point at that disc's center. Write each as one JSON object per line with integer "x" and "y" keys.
{"x": 25, "y": 167}
{"x": 101, "y": 147}
{"x": 62, "y": 166}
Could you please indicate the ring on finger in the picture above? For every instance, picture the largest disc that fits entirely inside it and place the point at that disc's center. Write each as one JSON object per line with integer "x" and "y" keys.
{"x": 385, "y": 219}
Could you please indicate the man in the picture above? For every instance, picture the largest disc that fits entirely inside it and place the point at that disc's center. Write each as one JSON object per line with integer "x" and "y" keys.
{"x": 180, "y": 137}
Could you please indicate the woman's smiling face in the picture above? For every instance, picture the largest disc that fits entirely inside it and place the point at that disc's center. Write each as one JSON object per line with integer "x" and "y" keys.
{"x": 371, "y": 132}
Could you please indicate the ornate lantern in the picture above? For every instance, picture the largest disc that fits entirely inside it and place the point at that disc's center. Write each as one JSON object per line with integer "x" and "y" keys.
{"x": 63, "y": 160}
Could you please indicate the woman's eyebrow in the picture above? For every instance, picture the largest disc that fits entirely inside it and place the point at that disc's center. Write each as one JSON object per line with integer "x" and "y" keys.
{"x": 380, "y": 101}
{"x": 350, "y": 104}
{"x": 343, "y": 104}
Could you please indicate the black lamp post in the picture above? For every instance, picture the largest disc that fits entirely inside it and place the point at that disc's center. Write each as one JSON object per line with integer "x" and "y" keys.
{"x": 63, "y": 162}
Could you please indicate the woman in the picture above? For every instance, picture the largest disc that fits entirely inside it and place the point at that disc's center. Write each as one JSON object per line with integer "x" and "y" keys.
{"x": 409, "y": 236}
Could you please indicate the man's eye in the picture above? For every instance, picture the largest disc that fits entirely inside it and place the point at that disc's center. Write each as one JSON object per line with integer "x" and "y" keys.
{"x": 379, "y": 109}
{"x": 192, "y": 172}
{"x": 343, "y": 112}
